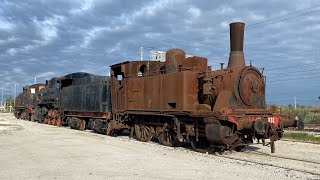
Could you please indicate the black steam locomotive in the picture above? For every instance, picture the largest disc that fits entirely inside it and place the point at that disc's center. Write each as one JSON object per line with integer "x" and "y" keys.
{"x": 79, "y": 100}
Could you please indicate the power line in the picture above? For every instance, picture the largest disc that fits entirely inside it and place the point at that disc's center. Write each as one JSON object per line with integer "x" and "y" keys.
{"x": 285, "y": 67}
{"x": 303, "y": 70}
{"x": 284, "y": 19}
{"x": 296, "y": 73}
{"x": 249, "y": 27}
{"x": 275, "y": 81}
{"x": 312, "y": 7}
{"x": 286, "y": 54}
{"x": 253, "y": 26}
{"x": 292, "y": 91}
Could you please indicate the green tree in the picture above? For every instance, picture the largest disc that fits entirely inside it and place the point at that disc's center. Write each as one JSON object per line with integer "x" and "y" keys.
{"x": 8, "y": 104}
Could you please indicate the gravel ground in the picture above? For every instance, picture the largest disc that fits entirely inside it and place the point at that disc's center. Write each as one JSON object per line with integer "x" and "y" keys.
{"x": 29, "y": 150}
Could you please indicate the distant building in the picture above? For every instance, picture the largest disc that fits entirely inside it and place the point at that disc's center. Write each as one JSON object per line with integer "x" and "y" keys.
{"x": 160, "y": 56}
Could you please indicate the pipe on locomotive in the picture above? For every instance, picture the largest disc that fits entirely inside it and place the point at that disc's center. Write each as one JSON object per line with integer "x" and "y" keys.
{"x": 236, "y": 58}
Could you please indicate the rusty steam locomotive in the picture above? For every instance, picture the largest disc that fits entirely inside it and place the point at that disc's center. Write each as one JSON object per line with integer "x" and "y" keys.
{"x": 178, "y": 101}
{"x": 26, "y": 101}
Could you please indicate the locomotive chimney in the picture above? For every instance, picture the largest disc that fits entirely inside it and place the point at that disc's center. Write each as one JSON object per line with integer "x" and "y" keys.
{"x": 236, "y": 58}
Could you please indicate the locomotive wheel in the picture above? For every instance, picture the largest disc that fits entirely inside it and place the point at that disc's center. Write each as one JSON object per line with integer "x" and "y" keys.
{"x": 82, "y": 126}
{"x": 49, "y": 117}
{"x": 109, "y": 130}
{"x": 45, "y": 120}
{"x": 202, "y": 145}
{"x": 56, "y": 117}
{"x": 168, "y": 138}
{"x": 53, "y": 117}
{"x": 58, "y": 121}
{"x": 23, "y": 115}
{"x": 52, "y": 121}
{"x": 143, "y": 132}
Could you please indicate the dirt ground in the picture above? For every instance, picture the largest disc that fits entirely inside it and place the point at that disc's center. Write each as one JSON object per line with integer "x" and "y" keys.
{"x": 30, "y": 150}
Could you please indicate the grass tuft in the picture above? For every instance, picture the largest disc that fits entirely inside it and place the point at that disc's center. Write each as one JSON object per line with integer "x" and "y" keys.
{"x": 301, "y": 136}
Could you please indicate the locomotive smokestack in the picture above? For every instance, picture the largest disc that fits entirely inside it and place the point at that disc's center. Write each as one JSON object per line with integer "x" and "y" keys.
{"x": 236, "y": 58}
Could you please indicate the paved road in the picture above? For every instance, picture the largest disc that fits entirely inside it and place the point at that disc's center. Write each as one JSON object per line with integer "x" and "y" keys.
{"x": 30, "y": 150}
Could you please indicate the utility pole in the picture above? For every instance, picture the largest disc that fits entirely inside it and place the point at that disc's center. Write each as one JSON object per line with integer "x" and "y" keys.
{"x": 14, "y": 94}
{"x": 5, "y": 105}
{"x": 1, "y": 99}
{"x": 295, "y": 102}
{"x": 35, "y": 80}
{"x": 141, "y": 53}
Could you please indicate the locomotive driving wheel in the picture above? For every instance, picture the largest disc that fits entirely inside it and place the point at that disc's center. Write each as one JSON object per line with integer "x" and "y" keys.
{"x": 168, "y": 137}
{"x": 45, "y": 119}
{"x": 143, "y": 132}
{"x": 52, "y": 118}
{"x": 82, "y": 125}
{"x": 48, "y": 117}
{"x": 56, "y": 117}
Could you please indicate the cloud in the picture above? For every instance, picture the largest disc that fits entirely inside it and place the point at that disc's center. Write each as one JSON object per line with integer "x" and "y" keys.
{"x": 256, "y": 17}
{"x": 91, "y": 35}
{"x": 194, "y": 12}
{"x": 51, "y": 38}
{"x": 46, "y": 75}
{"x": 8, "y": 40}
{"x": 5, "y": 25}
{"x": 84, "y": 6}
{"x": 225, "y": 10}
{"x": 47, "y": 27}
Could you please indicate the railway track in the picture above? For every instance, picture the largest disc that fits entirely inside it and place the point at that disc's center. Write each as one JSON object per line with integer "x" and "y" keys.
{"x": 260, "y": 158}
{"x": 312, "y": 128}
{"x": 287, "y": 163}
{"x": 266, "y": 159}
{"x": 271, "y": 160}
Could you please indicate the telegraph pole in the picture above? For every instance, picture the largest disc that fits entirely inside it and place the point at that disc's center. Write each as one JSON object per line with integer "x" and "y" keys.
{"x": 35, "y": 80}
{"x": 141, "y": 53}
{"x": 14, "y": 94}
{"x": 1, "y": 99}
{"x": 295, "y": 102}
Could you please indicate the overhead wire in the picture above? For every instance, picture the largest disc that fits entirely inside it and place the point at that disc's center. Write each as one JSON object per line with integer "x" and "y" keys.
{"x": 288, "y": 54}
{"x": 288, "y": 74}
{"x": 254, "y": 26}
{"x": 279, "y": 80}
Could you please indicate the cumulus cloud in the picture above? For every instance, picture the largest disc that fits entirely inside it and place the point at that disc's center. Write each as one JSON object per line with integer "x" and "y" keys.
{"x": 47, "y": 27}
{"x": 5, "y": 25}
{"x": 52, "y": 38}
{"x": 225, "y": 10}
{"x": 84, "y": 6}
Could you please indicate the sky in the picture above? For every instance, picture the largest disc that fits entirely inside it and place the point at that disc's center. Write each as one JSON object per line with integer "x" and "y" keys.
{"x": 46, "y": 38}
